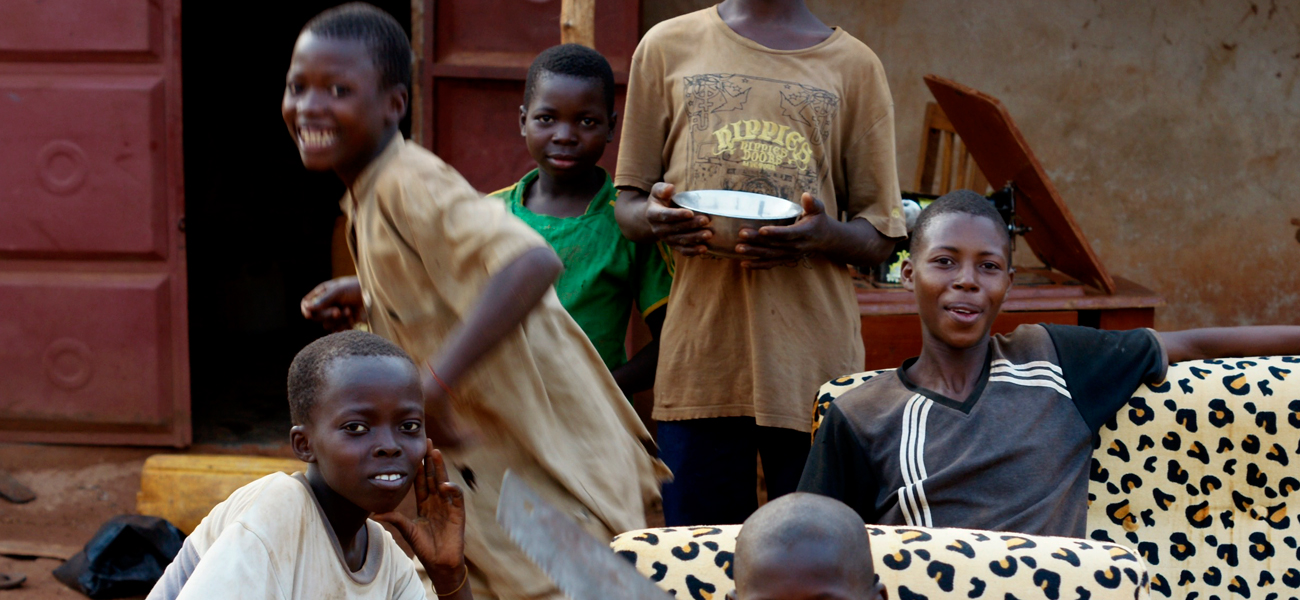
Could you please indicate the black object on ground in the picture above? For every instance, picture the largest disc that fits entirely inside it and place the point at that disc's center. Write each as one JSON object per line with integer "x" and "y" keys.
{"x": 9, "y": 582}
{"x": 124, "y": 558}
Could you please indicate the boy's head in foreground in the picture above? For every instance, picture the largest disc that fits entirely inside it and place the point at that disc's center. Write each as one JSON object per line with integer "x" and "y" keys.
{"x": 804, "y": 546}
{"x": 358, "y": 418}
{"x": 347, "y": 88}
{"x": 568, "y": 113}
{"x": 959, "y": 269}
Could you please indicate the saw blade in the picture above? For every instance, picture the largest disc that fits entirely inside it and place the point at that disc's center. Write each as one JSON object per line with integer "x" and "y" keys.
{"x": 582, "y": 567}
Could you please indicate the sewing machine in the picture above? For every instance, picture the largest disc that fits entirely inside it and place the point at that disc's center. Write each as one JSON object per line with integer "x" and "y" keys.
{"x": 1071, "y": 287}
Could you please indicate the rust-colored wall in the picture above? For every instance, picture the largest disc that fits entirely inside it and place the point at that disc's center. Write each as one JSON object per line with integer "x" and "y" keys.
{"x": 1170, "y": 128}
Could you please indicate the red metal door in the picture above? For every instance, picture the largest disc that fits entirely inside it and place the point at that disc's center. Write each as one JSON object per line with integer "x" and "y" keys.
{"x": 475, "y": 56}
{"x": 93, "y": 335}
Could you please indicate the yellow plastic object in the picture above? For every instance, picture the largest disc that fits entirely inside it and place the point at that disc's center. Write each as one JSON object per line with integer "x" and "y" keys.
{"x": 183, "y": 488}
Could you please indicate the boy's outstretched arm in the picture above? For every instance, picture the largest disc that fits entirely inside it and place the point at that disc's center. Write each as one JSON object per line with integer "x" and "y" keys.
{"x": 638, "y": 373}
{"x": 437, "y": 534}
{"x": 1225, "y": 342}
{"x": 507, "y": 298}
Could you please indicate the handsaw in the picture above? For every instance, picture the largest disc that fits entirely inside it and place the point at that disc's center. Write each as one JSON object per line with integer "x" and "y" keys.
{"x": 579, "y": 564}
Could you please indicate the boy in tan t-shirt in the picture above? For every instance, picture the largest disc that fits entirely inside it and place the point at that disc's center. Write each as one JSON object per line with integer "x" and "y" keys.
{"x": 464, "y": 288}
{"x": 760, "y": 97}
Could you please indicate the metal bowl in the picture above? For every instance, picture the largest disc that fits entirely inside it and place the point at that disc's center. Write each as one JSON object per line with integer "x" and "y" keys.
{"x": 729, "y": 211}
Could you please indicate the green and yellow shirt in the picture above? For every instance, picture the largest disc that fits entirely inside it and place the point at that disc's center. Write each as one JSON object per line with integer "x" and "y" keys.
{"x": 604, "y": 272}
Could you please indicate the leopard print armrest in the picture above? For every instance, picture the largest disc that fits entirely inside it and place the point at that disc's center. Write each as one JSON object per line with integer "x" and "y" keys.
{"x": 913, "y": 563}
{"x": 1196, "y": 474}
{"x": 835, "y": 388}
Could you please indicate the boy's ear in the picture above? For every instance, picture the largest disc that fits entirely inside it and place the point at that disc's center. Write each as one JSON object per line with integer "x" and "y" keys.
{"x": 301, "y": 444}
{"x": 398, "y": 96}
{"x": 906, "y": 271}
{"x": 613, "y": 126}
{"x": 523, "y": 121}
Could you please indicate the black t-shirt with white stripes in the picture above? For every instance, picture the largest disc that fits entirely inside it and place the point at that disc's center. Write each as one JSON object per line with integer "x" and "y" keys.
{"x": 1013, "y": 456}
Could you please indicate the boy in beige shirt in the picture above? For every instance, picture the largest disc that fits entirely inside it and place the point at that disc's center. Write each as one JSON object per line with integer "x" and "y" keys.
{"x": 759, "y": 97}
{"x": 358, "y": 423}
{"x": 465, "y": 288}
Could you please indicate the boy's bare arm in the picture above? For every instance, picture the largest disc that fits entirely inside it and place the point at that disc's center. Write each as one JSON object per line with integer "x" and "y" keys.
{"x": 651, "y": 217}
{"x": 638, "y": 373}
{"x": 508, "y": 297}
{"x": 856, "y": 242}
{"x": 1224, "y": 342}
{"x": 629, "y": 211}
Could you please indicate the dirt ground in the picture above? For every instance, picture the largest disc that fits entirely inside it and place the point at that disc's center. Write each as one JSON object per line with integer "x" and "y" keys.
{"x": 77, "y": 489}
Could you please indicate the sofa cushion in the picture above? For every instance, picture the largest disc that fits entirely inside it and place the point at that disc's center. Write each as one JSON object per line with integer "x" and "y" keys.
{"x": 912, "y": 562}
{"x": 1201, "y": 474}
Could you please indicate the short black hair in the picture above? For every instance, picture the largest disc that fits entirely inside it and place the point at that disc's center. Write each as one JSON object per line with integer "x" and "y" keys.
{"x": 573, "y": 60}
{"x": 799, "y": 518}
{"x": 389, "y": 47}
{"x": 307, "y": 372}
{"x": 958, "y": 202}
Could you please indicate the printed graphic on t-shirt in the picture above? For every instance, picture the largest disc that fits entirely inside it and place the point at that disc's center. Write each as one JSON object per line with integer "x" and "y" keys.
{"x": 756, "y": 134}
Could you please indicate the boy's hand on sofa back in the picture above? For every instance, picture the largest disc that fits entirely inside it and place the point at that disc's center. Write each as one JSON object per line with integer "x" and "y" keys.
{"x": 1225, "y": 342}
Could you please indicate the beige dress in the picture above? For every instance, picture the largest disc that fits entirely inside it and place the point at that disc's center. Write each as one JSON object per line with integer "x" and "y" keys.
{"x": 540, "y": 403}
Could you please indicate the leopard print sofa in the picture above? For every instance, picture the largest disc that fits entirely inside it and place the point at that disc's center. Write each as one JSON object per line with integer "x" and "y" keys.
{"x": 1195, "y": 473}
{"x": 914, "y": 563}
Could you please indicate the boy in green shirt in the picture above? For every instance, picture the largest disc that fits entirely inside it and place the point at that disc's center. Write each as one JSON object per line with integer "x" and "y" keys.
{"x": 567, "y": 119}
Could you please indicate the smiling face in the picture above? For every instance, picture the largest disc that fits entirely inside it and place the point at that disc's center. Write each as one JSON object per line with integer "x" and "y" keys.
{"x": 336, "y": 110}
{"x": 961, "y": 276}
{"x": 366, "y": 435}
{"x": 567, "y": 125}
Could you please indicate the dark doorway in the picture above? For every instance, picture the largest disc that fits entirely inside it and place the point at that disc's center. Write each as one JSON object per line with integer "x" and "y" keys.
{"x": 259, "y": 226}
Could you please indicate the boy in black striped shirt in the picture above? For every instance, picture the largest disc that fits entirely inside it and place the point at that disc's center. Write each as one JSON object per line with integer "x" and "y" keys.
{"x": 992, "y": 432}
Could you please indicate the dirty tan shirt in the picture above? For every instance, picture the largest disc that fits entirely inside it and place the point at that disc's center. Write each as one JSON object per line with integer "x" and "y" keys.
{"x": 426, "y": 244}
{"x": 710, "y": 109}
{"x": 270, "y": 539}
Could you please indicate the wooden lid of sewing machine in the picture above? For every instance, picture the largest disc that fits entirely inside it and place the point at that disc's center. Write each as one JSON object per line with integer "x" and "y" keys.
{"x": 968, "y": 141}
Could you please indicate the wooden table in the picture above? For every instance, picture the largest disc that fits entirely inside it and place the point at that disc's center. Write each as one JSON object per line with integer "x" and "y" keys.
{"x": 891, "y": 329}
